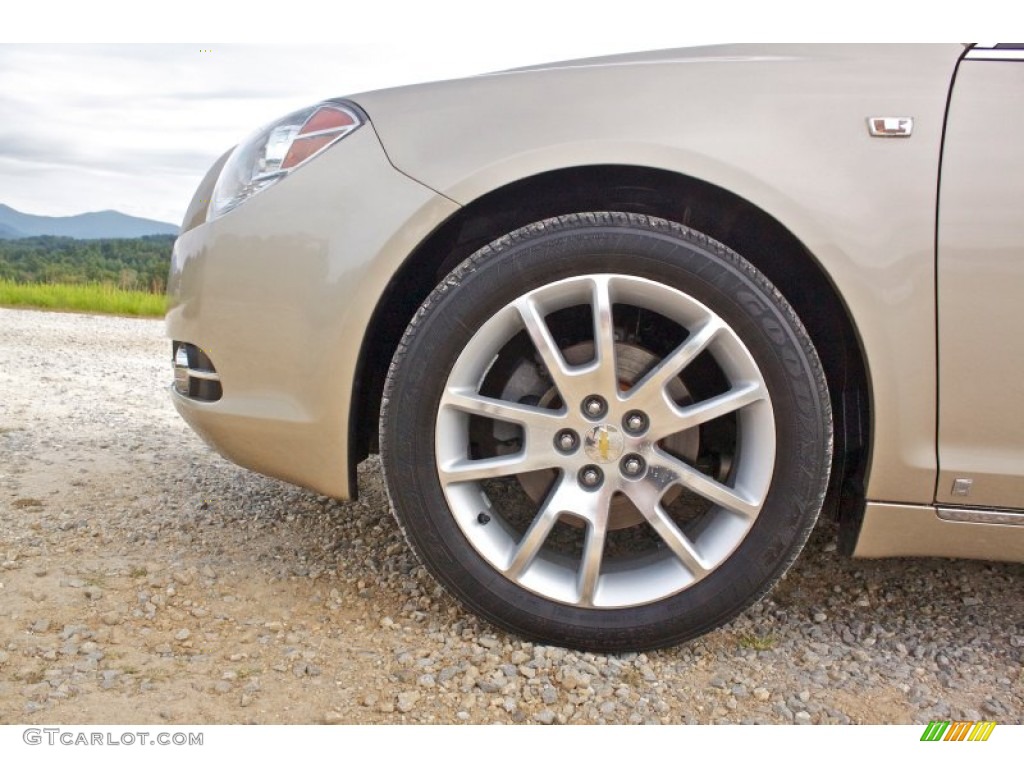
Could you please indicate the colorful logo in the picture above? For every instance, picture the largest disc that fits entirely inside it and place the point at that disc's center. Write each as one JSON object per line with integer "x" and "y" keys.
{"x": 604, "y": 444}
{"x": 958, "y": 730}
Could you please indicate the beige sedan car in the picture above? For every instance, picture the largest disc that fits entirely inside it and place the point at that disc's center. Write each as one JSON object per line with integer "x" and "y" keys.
{"x": 622, "y": 328}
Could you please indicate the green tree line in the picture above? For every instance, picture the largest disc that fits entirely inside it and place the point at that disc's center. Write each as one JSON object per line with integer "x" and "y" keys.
{"x": 139, "y": 264}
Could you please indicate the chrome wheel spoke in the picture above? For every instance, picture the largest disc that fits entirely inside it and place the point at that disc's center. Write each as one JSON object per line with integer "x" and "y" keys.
{"x": 550, "y": 354}
{"x": 533, "y": 540}
{"x": 593, "y": 554}
{"x": 468, "y": 470}
{"x": 676, "y": 540}
{"x": 651, "y": 386}
{"x": 647, "y": 498}
{"x": 531, "y": 544}
{"x": 605, "y": 377}
{"x": 681, "y": 473}
{"x": 467, "y": 401}
{"x": 713, "y": 408}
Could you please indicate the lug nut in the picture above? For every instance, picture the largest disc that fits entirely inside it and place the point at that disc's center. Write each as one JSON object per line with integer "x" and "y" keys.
{"x": 590, "y": 476}
{"x": 594, "y": 406}
{"x": 567, "y": 441}
{"x": 635, "y": 422}
{"x": 633, "y": 466}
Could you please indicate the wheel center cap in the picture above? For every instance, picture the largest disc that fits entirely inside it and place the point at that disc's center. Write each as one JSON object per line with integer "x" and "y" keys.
{"x": 603, "y": 444}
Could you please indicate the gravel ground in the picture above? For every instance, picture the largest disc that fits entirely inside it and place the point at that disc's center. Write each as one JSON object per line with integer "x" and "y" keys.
{"x": 143, "y": 579}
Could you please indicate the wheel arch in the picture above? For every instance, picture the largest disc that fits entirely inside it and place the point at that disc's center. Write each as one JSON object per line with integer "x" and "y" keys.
{"x": 718, "y": 213}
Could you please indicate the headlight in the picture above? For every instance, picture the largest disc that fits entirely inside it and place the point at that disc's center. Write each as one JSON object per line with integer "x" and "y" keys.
{"x": 276, "y": 150}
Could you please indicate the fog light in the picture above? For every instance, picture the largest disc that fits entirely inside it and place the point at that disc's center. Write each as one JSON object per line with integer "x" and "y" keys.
{"x": 194, "y": 374}
{"x": 181, "y": 370}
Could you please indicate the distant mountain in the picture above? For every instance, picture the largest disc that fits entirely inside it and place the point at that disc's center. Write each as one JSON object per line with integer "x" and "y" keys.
{"x": 8, "y": 232}
{"x": 84, "y": 226}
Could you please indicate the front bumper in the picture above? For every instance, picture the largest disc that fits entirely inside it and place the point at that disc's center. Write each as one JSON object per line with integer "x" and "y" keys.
{"x": 278, "y": 294}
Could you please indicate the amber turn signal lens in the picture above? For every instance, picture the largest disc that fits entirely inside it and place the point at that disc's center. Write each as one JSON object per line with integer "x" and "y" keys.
{"x": 304, "y": 148}
{"x": 327, "y": 119}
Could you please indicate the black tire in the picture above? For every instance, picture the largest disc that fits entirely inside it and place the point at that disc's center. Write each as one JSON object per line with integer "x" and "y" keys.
{"x": 677, "y": 531}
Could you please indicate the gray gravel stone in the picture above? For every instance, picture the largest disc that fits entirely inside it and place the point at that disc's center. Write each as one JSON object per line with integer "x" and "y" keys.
{"x": 37, "y": 692}
{"x": 407, "y": 700}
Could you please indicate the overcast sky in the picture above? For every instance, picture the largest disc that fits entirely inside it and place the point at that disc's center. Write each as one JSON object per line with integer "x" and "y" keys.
{"x": 134, "y": 127}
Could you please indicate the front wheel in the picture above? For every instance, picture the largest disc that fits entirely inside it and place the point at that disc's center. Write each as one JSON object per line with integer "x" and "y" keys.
{"x": 606, "y": 431}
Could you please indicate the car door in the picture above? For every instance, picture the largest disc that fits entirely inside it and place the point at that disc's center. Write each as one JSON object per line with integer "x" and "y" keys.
{"x": 981, "y": 284}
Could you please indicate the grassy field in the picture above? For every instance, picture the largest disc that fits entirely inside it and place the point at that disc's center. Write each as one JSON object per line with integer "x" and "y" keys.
{"x": 100, "y": 298}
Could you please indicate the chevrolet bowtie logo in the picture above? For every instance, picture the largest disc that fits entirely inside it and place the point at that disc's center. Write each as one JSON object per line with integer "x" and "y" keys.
{"x": 603, "y": 444}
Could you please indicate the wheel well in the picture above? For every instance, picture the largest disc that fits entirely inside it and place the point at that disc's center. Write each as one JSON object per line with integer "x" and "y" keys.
{"x": 709, "y": 209}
